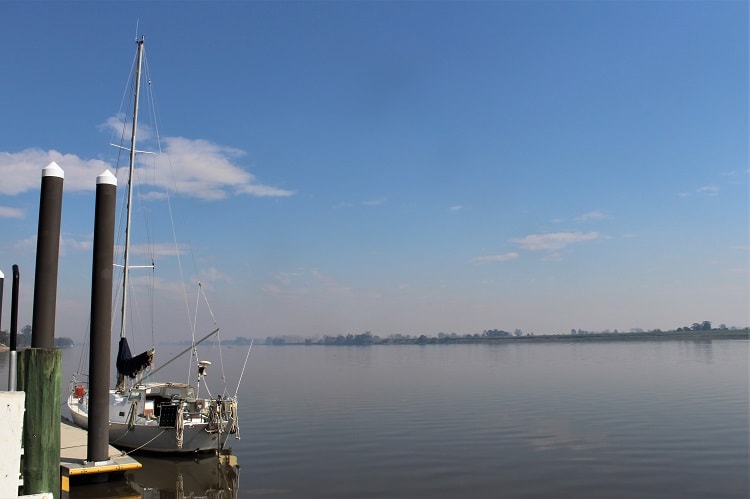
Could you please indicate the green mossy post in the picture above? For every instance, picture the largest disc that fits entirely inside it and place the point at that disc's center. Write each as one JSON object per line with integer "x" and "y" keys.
{"x": 39, "y": 375}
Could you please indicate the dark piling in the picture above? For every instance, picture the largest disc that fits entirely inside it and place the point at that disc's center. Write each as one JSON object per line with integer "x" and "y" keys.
{"x": 47, "y": 253}
{"x": 101, "y": 318}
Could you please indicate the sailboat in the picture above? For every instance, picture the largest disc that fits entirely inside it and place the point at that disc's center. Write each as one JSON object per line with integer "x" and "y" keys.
{"x": 147, "y": 415}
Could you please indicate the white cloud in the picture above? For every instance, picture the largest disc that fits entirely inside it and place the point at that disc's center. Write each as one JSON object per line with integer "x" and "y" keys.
{"x": 374, "y": 202}
{"x": 28, "y": 244}
{"x": 196, "y": 168}
{"x": 591, "y": 215}
{"x": 212, "y": 275}
{"x": 69, "y": 243}
{"x": 8, "y": 212}
{"x": 495, "y": 258}
{"x": 22, "y": 171}
{"x": 709, "y": 190}
{"x": 304, "y": 282}
{"x": 157, "y": 250}
{"x": 456, "y": 208}
{"x": 206, "y": 170}
{"x": 554, "y": 241}
{"x": 329, "y": 283}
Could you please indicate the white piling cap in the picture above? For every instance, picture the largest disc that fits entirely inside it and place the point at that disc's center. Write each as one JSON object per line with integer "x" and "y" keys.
{"x": 106, "y": 178}
{"x": 53, "y": 170}
{"x": 2, "y": 276}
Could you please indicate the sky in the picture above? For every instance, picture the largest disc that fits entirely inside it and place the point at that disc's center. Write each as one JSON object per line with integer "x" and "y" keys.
{"x": 397, "y": 167}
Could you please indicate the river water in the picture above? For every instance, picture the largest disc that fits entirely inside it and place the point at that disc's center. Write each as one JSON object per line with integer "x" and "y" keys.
{"x": 601, "y": 420}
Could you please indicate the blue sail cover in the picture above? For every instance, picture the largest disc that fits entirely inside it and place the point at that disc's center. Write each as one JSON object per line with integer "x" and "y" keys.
{"x": 130, "y": 366}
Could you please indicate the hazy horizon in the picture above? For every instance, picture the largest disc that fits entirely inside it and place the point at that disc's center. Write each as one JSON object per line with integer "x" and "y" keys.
{"x": 399, "y": 167}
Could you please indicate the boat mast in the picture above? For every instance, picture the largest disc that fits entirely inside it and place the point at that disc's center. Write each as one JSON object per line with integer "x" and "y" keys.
{"x": 126, "y": 253}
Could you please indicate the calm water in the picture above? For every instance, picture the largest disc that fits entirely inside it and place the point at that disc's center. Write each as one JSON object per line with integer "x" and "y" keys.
{"x": 646, "y": 419}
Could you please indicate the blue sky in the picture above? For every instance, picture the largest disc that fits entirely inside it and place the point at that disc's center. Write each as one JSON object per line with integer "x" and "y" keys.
{"x": 402, "y": 167}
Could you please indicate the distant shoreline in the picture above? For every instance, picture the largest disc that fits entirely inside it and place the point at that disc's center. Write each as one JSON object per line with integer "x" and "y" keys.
{"x": 361, "y": 340}
{"x": 600, "y": 337}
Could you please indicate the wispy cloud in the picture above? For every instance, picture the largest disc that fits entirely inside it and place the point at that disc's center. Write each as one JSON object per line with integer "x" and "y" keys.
{"x": 495, "y": 258}
{"x": 156, "y": 250}
{"x": 8, "y": 212}
{"x": 592, "y": 216}
{"x": 286, "y": 283}
{"x": 554, "y": 241}
{"x": 374, "y": 202}
{"x": 67, "y": 243}
{"x": 212, "y": 275}
{"x": 709, "y": 190}
{"x": 74, "y": 244}
{"x": 329, "y": 283}
{"x": 455, "y": 208}
{"x": 303, "y": 282}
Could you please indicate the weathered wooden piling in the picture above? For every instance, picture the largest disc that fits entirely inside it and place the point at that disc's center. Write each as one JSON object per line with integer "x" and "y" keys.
{"x": 47, "y": 253}
{"x": 101, "y": 317}
{"x": 40, "y": 373}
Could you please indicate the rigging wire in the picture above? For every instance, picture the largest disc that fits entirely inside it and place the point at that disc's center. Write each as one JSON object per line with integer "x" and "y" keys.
{"x": 145, "y": 174}
{"x": 169, "y": 183}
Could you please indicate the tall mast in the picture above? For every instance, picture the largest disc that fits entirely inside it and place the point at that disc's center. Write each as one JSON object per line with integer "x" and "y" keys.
{"x": 126, "y": 254}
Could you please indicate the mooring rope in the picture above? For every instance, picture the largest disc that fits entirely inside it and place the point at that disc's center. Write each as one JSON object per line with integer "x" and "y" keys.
{"x": 142, "y": 446}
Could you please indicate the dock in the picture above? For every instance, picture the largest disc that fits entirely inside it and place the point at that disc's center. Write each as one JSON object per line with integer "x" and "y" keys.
{"x": 73, "y": 448}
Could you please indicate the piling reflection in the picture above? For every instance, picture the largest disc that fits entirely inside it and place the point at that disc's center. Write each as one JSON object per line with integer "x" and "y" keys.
{"x": 184, "y": 478}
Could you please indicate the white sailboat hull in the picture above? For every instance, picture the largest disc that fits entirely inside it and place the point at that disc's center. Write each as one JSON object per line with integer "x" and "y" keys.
{"x": 134, "y": 426}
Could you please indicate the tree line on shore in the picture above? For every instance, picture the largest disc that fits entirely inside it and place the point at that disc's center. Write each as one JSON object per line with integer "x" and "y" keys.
{"x": 23, "y": 339}
{"x": 489, "y": 335}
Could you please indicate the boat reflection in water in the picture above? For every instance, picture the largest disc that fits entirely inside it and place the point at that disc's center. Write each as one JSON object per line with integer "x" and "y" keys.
{"x": 208, "y": 477}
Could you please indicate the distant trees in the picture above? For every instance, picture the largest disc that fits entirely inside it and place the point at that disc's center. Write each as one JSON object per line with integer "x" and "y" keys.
{"x": 495, "y": 333}
{"x": 365, "y": 338}
{"x": 487, "y": 336}
{"x": 698, "y": 326}
{"x": 23, "y": 339}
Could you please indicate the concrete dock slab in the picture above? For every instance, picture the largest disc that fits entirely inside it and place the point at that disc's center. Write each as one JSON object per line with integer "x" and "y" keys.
{"x": 73, "y": 450}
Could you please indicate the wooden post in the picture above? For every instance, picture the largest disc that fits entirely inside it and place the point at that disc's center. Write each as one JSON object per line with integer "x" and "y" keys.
{"x": 39, "y": 375}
